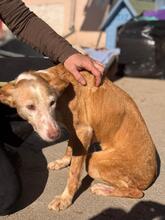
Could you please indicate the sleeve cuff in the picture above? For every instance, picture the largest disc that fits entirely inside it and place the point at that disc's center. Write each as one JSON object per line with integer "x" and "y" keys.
{"x": 67, "y": 53}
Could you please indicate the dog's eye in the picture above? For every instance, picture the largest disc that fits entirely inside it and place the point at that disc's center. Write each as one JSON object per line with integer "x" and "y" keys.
{"x": 31, "y": 107}
{"x": 52, "y": 103}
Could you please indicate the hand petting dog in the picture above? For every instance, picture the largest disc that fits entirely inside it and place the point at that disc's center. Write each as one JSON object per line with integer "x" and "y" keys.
{"x": 77, "y": 62}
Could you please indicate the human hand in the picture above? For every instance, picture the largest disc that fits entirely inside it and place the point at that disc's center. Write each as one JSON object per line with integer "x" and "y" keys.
{"x": 76, "y": 62}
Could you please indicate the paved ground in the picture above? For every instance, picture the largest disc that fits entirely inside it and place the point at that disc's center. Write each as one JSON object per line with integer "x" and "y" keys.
{"x": 39, "y": 186}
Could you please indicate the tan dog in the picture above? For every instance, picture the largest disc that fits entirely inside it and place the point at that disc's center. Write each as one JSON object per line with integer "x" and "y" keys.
{"x": 127, "y": 162}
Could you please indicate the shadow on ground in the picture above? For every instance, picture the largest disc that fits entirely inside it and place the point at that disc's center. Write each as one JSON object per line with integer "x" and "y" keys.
{"x": 32, "y": 171}
{"x": 144, "y": 210}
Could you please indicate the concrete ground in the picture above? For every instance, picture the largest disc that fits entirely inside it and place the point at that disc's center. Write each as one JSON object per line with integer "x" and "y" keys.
{"x": 39, "y": 186}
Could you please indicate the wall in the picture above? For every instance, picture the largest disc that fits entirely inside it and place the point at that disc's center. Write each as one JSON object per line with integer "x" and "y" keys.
{"x": 61, "y": 15}
{"x": 88, "y": 17}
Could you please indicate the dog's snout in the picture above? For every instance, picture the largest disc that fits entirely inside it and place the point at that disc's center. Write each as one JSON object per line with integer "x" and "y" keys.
{"x": 53, "y": 133}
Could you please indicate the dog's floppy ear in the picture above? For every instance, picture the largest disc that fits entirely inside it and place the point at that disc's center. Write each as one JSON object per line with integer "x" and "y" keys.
{"x": 6, "y": 94}
{"x": 61, "y": 77}
{"x": 58, "y": 77}
{"x": 55, "y": 76}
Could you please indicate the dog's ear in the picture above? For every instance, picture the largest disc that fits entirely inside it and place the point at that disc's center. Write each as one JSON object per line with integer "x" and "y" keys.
{"x": 58, "y": 77}
{"x": 55, "y": 76}
{"x": 59, "y": 85}
{"x": 63, "y": 77}
{"x": 54, "y": 81}
{"x": 6, "y": 94}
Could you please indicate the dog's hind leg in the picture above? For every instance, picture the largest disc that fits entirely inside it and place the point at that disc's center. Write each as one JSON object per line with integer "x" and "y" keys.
{"x": 63, "y": 162}
{"x": 105, "y": 190}
{"x": 113, "y": 170}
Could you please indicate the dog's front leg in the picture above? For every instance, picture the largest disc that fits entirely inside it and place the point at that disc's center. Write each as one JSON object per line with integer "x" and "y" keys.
{"x": 79, "y": 147}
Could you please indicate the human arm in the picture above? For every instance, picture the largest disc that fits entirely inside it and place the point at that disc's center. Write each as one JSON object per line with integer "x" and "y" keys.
{"x": 34, "y": 31}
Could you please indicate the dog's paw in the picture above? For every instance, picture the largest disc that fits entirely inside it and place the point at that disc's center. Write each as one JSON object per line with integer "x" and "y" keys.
{"x": 59, "y": 203}
{"x": 58, "y": 164}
